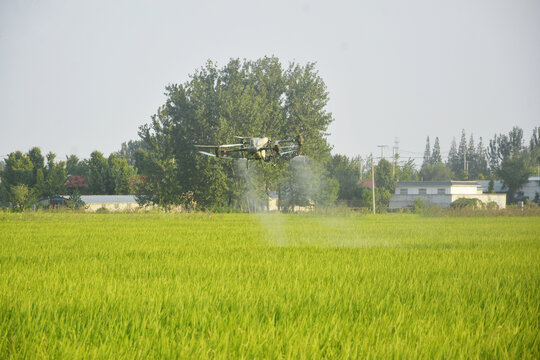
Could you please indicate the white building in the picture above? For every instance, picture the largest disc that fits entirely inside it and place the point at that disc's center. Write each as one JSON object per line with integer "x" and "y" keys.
{"x": 528, "y": 190}
{"x": 441, "y": 193}
{"x": 110, "y": 202}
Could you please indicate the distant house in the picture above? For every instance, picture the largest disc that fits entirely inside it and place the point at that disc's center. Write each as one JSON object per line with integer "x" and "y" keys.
{"x": 110, "y": 202}
{"x": 441, "y": 193}
{"x": 527, "y": 191}
{"x": 530, "y": 189}
{"x": 52, "y": 202}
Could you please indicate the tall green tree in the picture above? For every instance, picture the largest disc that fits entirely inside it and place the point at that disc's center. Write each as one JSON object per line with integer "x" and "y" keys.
{"x": 502, "y": 147}
{"x": 453, "y": 157}
{"x": 55, "y": 177}
{"x": 480, "y": 165}
{"x": 249, "y": 98}
{"x": 19, "y": 196}
{"x": 99, "y": 181}
{"x": 427, "y": 154}
{"x": 384, "y": 184}
{"x": 514, "y": 173}
{"x": 121, "y": 173}
{"x": 436, "y": 153}
{"x": 17, "y": 177}
{"x": 345, "y": 171}
{"x": 407, "y": 171}
{"x": 38, "y": 162}
{"x": 436, "y": 172}
{"x": 460, "y": 171}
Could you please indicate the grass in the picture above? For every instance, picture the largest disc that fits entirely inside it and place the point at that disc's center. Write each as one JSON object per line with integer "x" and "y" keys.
{"x": 268, "y": 286}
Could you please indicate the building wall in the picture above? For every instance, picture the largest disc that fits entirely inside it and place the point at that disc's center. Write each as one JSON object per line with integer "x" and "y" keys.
{"x": 465, "y": 190}
{"x": 434, "y": 189}
{"x": 430, "y": 190}
{"x": 397, "y": 201}
{"x": 500, "y": 199}
{"x": 111, "y": 206}
{"x": 531, "y": 188}
{"x": 444, "y": 201}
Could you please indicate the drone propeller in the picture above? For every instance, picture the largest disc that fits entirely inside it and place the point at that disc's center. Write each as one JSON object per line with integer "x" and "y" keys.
{"x": 287, "y": 152}
{"x": 230, "y": 145}
{"x": 218, "y": 146}
{"x": 215, "y": 156}
{"x": 207, "y": 153}
{"x": 289, "y": 147}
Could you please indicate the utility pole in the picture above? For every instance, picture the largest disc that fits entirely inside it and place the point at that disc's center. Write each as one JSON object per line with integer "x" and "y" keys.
{"x": 382, "y": 150}
{"x": 360, "y": 167}
{"x": 373, "y": 182}
{"x": 393, "y": 162}
{"x": 394, "y": 157}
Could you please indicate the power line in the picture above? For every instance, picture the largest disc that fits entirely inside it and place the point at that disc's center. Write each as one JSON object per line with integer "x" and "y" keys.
{"x": 382, "y": 149}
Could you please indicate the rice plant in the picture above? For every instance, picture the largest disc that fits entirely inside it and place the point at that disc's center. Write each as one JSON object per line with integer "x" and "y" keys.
{"x": 268, "y": 286}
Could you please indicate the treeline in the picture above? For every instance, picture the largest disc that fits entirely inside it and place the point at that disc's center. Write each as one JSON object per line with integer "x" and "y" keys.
{"x": 28, "y": 177}
{"x": 506, "y": 157}
{"x": 254, "y": 98}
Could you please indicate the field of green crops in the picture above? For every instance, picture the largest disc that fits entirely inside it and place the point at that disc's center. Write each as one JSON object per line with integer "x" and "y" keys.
{"x": 268, "y": 286}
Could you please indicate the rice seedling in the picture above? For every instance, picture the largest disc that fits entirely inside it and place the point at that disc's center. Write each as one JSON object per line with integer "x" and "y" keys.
{"x": 268, "y": 286}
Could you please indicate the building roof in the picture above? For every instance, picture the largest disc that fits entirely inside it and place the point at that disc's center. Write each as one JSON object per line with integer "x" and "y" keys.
{"x": 438, "y": 183}
{"x": 108, "y": 199}
{"x": 498, "y": 186}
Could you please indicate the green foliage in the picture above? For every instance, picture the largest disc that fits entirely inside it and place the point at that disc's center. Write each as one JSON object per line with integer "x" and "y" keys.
{"x": 503, "y": 147}
{"x": 307, "y": 184}
{"x": 407, "y": 172}
{"x": 56, "y": 177}
{"x": 161, "y": 187}
{"x": 384, "y": 184}
{"x": 436, "y": 154}
{"x": 249, "y": 98}
{"x": 19, "y": 196}
{"x": 436, "y": 172}
{"x": 18, "y": 170}
{"x": 427, "y": 154}
{"x": 75, "y": 200}
{"x": 346, "y": 172}
{"x": 4, "y": 195}
{"x": 514, "y": 173}
{"x": 99, "y": 181}
{"x": 466, "y": 203}
{"x": 120, "y": 173}
{"x": 38, "y": 162}
{"x": 418, "y": 205}
{"x": 492, "y": 205}
{"x": 491, "y": 186}
{"x": 128, "y": 150}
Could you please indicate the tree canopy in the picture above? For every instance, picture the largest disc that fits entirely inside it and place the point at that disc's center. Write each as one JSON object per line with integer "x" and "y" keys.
{"x": 243, "y": 98}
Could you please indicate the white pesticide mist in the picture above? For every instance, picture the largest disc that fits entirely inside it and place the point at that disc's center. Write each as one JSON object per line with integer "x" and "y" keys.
{"x": 303, "y": 186}
{"x": 255, "y": 197}
{"x": 305, "y": 183}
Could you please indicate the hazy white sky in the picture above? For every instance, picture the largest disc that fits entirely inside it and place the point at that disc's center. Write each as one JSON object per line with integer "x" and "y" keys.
{"x": 76, "y": 76}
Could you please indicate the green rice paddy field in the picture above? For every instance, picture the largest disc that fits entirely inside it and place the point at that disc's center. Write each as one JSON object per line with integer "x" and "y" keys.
{"x": 268, "y": 286}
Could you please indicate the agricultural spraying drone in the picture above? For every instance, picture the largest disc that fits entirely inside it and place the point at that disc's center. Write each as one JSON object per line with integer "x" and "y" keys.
{"x": 256, "y": 148}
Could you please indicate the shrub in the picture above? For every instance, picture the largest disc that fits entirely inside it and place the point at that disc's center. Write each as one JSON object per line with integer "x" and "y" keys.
{"x": 466, "y": 203}
{"x": 492, "y": 205}
{"x": 418, "y": 205}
